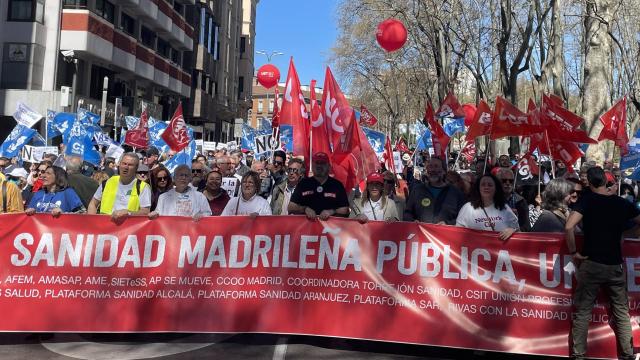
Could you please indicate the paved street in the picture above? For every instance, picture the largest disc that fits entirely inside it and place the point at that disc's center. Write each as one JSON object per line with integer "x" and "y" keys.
{"x": 217, "y": 346}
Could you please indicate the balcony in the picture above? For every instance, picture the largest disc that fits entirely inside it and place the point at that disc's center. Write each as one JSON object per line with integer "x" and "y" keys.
{"x": 124, "y": 51}
{"x": 147, "y": 9}
{"x": 86, "y": 34}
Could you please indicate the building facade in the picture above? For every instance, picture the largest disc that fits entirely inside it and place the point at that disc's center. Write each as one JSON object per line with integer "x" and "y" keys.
{"x": 222, "y": 65}
{"x": 142, "y": 47}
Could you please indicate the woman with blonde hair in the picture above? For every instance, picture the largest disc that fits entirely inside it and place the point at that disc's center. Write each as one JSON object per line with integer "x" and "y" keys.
{"x": 374, "y": 204}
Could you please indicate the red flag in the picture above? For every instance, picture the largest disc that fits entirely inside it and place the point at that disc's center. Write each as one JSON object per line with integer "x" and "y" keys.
{"x": 176, "y": 135}
{"x": 450, "y": 108}
{"x": 388, "y": 155}
{"x": 294, "y": 112}
{"x": 366, "y": 117}
{"x": 614, "y": 121}
{"x": 320, "y": 139}
{"x": 138, "y": 137}
{"x": 527, "y": 161}
{"x": 566, "y": 151}
{"x": 562, "y": 124}
{"x": 428, "y": 114}
{"x": 508, "y": 120}
{"x": 481, "y": 123}
{"x": 338, "y": 112}
{"x": 439, "y": 138}
{"x": 401, "y": 146}
{"x": 275, "y": 118}
{"x": 345, "y": 159}
{"x": 469, "y": 151}
{"x": 538, "y": 141}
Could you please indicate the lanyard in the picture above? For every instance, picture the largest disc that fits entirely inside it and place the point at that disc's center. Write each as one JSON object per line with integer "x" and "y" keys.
{"x": 373, "y": 210}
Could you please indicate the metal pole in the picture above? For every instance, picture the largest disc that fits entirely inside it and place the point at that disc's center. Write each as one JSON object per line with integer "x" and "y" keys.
{"x": 103, "y": 109}
{"x": 74, "y": 83}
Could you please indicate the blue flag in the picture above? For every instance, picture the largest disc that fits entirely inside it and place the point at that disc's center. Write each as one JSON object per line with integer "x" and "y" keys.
{"x": 376, "y": 139}
{"x": 424, "y": 143}
{"x": 19, "y": 137}
{"x": 453, "y": 125}
{"x": 52, "y": 130}
{"x": 630, "y": 161}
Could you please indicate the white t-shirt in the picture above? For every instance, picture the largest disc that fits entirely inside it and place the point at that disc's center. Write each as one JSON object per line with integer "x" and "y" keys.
{"x": 285, "y": 200}
{"x": 477, "y": 219}
{"x": 189, "y": 203}
{"x": 240, "y": 206}
{"x": 123, "y": 193}
{"x": 370, "y": 207}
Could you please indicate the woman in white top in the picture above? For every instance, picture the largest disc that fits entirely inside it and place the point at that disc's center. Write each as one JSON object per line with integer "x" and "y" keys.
{"x": 374, "y": 205}
{"x": 248, "y": 202}
{"x": 487, "y": 209}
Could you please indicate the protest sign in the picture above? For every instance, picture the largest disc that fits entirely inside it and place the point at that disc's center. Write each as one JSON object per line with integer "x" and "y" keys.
{"x": 34, "y": 154}
{"x": 231, "y": 185}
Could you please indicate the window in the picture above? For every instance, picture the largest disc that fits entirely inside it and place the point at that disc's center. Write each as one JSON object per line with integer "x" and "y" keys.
{"x": 74, "y": 4}
{"x": 106, "y": 10}
{"x": 127, "y": 24}
{"x": 270, "y": 106}
{"x": 175, "y": 57}
{"x": 216, "y": 42}
{"x": 164, "y": 49}
{"x": 178, "y": 7}
{"x": 203, "y": 25}
{"x": 210, "y": 35}
{"x": 26, "y": 10}
{"x": 243, "y": 45}
{"x": 240, "y": 86}
{"x": 148, "y": 38}
{"x": 260, "y": 106}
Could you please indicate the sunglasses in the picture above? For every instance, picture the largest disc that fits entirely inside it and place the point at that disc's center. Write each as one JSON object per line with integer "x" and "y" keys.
{"x": 507, "y": 181}
{"x": 279, "y": 163}
{"x": 162, "y": 178}
{"x": 292, "y": 170}
{"x": 40, "y": 171}
{"x": 196, "y": 171}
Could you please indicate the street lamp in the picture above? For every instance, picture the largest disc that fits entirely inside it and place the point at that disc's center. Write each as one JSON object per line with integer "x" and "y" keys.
{"x": 269, "y": 55}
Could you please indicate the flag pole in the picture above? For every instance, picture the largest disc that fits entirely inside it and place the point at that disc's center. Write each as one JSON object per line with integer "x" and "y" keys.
{"x": 455, "y": 166}
{"x": 486, "y": 155}
{"x": 553, "y": 167}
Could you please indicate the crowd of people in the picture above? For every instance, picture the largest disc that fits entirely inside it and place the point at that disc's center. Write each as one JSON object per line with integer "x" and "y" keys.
{"x": 595, "y": 201}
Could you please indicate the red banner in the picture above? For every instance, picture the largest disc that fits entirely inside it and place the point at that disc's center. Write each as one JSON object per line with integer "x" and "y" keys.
{"x": 399, "y": 282}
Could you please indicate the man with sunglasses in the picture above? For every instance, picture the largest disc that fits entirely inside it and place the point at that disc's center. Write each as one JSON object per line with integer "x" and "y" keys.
{"x": 516, "y": 202}
{"x": 281, "y": 194}
{"x": 277, "y": 169}
{"x": 198, "y": 172}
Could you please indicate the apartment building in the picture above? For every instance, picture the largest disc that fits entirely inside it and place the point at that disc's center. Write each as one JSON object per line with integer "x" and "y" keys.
{"x": 142, "y": 47}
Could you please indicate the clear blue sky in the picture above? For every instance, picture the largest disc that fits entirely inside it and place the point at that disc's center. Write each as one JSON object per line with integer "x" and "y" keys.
{"x": 304, "y": 29}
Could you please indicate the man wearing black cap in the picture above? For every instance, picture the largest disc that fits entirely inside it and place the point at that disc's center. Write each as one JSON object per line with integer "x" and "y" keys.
{"x": 319, "y": 196}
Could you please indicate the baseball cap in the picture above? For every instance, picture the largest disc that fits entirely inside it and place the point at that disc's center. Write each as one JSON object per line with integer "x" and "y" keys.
{"x": 143, "y": 167}
{"x": 4, "y": 157}
{"x": 375, "y": 177}
{"x": 19, "y": 172}
{"x": 320, "y": 157}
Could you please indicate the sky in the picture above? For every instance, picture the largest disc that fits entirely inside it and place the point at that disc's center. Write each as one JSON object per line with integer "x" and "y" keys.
{"x": 304, "y": 29}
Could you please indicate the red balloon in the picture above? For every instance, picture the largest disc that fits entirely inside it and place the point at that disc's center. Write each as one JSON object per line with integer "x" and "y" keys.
{"x": 469, "y": 113}
{"x": 391, "y": 34}
{"x": 268, "y": 75}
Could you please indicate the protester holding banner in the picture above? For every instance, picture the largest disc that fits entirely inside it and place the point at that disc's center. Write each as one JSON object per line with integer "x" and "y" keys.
{"x": 488, "y": 209}
{"x": 600, "y": 263}
{"x": 83, "y": 185}
{"x": 516, "y": 202}
{"x": 281, "y": 194}
{"x": 161, "y": 182}
{"x": 216, "y": 196}
{"x": 555, "y": 204}
{"x": 373, "y": 204}
{"x": 182, "y": 200}
{"x": 122, "y": 195}
{"x": 319, "y": 196}
{"x": 55, "y": 197}
{"x": 433, "y": 201}
{"x": 248, "y": 202}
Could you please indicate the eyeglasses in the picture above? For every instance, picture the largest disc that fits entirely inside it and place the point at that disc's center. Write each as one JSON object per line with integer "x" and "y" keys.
{"x": 292, "y": 170}
{"x": 279, "y": 163}
{"x": 162, "y": 178}
{"x": 507, "y": 181}
{"x": 196, "y": 171}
